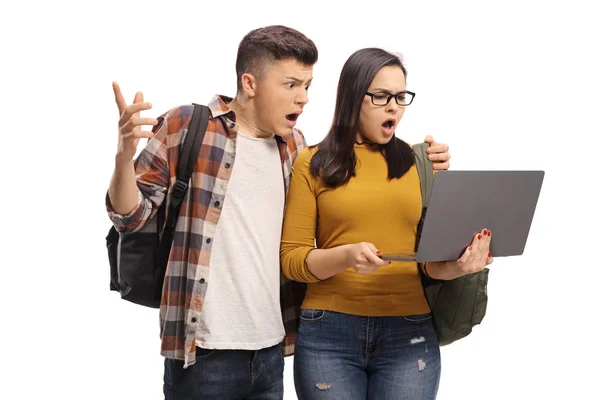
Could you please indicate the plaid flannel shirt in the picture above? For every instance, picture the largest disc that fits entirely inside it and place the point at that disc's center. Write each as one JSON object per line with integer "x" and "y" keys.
{"x": 187, "y": 275}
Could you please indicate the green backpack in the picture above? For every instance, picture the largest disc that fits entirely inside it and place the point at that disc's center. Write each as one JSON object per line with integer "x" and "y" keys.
{"x": 459, "y": 304}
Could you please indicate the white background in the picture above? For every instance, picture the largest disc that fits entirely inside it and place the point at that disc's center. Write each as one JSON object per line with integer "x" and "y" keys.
{"x": 509, "y": 85}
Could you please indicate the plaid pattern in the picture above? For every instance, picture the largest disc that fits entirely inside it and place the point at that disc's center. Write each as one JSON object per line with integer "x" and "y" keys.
{"x": 188, "y": 268}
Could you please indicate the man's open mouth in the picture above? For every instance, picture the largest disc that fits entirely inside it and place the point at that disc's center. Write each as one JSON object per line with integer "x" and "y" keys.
{"x": 292, "y": 117}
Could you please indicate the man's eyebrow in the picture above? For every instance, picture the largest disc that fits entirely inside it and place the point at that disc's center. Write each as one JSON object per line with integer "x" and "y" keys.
{"x": 293, "y": 78}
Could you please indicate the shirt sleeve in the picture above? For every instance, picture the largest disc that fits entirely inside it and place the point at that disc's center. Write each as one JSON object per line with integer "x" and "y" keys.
{"x": 300, "y": 221}
{"x": 152, "y": 178}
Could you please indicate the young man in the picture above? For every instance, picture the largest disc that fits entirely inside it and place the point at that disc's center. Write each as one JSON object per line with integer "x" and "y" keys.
{"x": 224, "y": 296}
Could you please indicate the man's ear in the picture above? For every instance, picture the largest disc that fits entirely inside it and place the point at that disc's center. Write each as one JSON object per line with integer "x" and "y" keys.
{"x": 249, "y": 85}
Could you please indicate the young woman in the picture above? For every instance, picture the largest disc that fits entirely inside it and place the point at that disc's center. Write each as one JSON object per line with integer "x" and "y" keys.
{"x": 365, "y": 330}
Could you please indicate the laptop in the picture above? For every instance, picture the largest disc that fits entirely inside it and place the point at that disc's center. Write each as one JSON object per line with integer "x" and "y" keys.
{"x": 463, "y": 203}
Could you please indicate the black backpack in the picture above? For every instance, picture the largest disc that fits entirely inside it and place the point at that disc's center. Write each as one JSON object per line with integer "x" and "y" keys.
{"x": 459, "y": 304}
{"x": 138, "y": 260}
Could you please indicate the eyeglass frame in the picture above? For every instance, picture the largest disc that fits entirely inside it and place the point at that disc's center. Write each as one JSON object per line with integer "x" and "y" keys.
{"x": 390, "y": 98}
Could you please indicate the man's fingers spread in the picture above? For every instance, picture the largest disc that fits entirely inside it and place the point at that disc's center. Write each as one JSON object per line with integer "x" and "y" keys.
{"x": 133, "y": 111}
{"x": 136, "y": 121}
{"x": 119, "y": 99}
{"x": 139, "y": 97}
{"x": 143, "y": 134}
{"x": 137, "y": 135}
{"x": 135, "y": 108}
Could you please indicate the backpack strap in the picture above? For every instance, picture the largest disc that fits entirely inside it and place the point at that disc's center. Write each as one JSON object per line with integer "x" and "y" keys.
{"x": 188, "y": 155}
{"x": 425, "y": 171}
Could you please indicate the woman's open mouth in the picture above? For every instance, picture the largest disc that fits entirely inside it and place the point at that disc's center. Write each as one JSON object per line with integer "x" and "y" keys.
{"x": 387, "y": 128}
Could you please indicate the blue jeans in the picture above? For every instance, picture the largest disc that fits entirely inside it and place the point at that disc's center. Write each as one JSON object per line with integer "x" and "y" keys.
{"x": 226, "y": 374}
{"x": 350, "y": 357}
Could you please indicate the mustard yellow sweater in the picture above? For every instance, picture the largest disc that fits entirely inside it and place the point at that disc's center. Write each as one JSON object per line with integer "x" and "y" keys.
{"x": 370, "y": 208}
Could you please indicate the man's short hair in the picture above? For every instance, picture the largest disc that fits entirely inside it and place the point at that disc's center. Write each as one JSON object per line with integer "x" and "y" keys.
{"x": 263, "y": 46}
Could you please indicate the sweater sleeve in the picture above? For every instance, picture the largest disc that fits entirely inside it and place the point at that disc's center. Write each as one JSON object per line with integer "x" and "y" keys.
{"x": 300, "y": 221}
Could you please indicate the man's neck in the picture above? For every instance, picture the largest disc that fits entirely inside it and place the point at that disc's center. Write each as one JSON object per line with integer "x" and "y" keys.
{"x": 246, "y": 119}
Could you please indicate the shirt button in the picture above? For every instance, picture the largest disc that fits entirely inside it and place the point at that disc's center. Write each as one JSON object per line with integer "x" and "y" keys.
{"x": 227, "y": 165}
{"x": 217, "y": 203}
{"x": 232, "y": 125}
{"x": 202, "y": 280}
{"x": 194, "y": 320}
{"x": 208, "y": 240}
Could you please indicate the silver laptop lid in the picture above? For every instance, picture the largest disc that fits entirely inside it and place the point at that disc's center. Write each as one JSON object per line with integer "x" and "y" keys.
{"x": 463, "y": 203}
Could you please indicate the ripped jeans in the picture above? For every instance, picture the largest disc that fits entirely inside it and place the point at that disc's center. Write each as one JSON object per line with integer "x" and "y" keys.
{"x": 350, "y": 357}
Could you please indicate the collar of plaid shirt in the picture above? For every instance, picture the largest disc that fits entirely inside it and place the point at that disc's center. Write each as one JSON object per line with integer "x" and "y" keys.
{"x": 188, "y": 271}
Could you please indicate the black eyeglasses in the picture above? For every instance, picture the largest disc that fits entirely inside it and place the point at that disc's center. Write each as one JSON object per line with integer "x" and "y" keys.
{"x": 403, "y": 99}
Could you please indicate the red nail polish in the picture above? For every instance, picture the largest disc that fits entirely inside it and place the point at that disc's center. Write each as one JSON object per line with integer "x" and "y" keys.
{"x": 489, "y": 233}
{"x": 470, "y": 248}
{"x": 490, "y": 254}
{"x": 478, "y": 236}
{"x": 485, "y": 232}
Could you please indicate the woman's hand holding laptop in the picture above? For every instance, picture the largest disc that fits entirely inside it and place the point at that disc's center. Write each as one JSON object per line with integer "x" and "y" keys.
{"x": 474, "y": 259}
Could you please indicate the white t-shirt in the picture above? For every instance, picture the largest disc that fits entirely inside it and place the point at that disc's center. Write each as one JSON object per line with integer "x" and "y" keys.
{"x": 242, "y": 309}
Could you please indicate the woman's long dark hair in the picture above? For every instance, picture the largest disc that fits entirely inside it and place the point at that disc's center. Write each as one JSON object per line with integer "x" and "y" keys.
{"x": 335, "y": 161}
